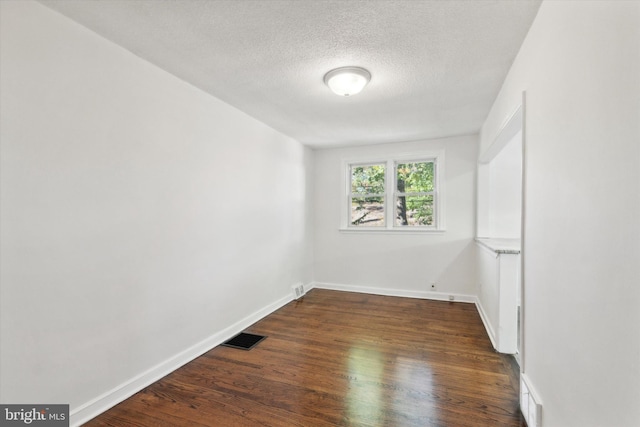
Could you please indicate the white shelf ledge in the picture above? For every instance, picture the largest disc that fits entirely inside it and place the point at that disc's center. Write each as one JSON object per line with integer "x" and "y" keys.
{"x": 500, "y": 246}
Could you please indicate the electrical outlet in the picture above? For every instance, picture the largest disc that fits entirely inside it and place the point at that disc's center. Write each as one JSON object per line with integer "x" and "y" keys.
{"x": 433, "y": 286}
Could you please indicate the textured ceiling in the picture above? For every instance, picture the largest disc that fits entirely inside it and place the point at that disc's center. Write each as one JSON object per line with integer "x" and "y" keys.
{"x": 436, "y": 66}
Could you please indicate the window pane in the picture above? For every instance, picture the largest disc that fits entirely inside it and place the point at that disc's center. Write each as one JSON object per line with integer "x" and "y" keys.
{"x": 367, "y": 211}
{"x": 414, "y": 210}
{"x": 368, "y": 179}
{"x": 415, "y": 177}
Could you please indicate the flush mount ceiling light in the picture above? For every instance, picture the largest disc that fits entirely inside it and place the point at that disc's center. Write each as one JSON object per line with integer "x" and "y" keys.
{"x": 347, "y": 81}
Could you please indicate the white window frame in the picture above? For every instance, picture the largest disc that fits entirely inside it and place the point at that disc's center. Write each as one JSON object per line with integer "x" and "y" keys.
{"x": 350, "y": 194}
{"x": 391, "y": 193}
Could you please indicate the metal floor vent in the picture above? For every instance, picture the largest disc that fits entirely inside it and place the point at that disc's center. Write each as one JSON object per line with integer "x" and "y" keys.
{"x": 244, "y": 341}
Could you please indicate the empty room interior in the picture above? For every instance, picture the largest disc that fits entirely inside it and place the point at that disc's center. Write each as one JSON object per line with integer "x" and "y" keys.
{"x": 429, "y": 209}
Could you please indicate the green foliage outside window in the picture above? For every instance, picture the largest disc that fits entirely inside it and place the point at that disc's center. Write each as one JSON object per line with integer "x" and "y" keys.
{"x": 415, "y": 190}
{"x": 415, "y": 186}
{"x": 367, "y": 190}
{"x": 367, "y": 179}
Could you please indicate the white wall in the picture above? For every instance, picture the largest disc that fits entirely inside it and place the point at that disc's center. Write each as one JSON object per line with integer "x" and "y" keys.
{"x": 488, "y": 277}
{"x": 499, "y": 206}
{"x": 505, "y": 182}
{"x": 398, "y": 262}
{"x": 483, "y": 200}
{"x": 580, "y": 68}
{"x": 139, "y": 215}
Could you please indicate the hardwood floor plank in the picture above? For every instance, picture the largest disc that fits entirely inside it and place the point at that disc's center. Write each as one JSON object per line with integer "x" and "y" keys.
{"x": 341, "y": 359}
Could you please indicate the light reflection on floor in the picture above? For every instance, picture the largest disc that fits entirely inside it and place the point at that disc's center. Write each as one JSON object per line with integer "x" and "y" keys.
{"x": 372, "y": 397}
{"x": 417, "y": 372}
{"x": 364, "y": 399}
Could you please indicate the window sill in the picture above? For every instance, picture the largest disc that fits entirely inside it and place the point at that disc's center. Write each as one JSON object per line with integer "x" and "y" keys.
{"x": 380, "y": 230}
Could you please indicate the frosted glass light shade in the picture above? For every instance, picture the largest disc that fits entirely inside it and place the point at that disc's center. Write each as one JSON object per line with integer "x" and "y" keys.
{"x": 347, "y": 81}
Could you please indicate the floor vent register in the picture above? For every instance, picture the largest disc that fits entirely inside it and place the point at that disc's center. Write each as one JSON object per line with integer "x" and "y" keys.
{"x": 244, "y": 341}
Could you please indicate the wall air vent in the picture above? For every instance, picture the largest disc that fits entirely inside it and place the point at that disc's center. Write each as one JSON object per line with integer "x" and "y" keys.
{"x": 298, "y": 290}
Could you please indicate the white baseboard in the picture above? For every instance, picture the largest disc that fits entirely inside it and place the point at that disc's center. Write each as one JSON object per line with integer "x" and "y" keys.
{"x": 487, "y": 324}
{"x": 530, "y": 402}
{"x": 439, "y": 296}
{"x": 98, "y": 405}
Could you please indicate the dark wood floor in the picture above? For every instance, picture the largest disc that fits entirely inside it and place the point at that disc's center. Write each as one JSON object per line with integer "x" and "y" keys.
{"x": 341, "y": 359}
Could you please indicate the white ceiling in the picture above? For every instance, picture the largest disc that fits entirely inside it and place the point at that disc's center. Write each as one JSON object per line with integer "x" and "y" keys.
{"x": 436, "y": 66}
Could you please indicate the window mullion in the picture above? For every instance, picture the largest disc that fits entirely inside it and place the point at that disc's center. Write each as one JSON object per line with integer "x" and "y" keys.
{"x": 365, "y": 195}
{"x": 418, "y": 194}
{"x": 390, "y": 185}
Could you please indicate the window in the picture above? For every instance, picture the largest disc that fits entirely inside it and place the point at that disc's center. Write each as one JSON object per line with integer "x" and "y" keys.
{"x": 394, "y": 194}
{"x": 367, "y": 195}
{"x": 414, "y": 194}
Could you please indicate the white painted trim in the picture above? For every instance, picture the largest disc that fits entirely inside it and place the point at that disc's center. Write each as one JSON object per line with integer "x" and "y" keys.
{"x": 523, "y": 222}
{"x": 530, "y": 402}
{"x": 396, "y": 230}
{"x": 532, "y": 390}
{"x": 308, "y": 287}
{"x": 105, "y": 401}
{"x": 486, "y": 323}
{"x": 406, "y": 293}
{"x": 511, "y": 126}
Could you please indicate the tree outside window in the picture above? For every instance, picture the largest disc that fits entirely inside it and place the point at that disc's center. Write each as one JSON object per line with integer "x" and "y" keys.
{"x": 415, "y": 187}
{"x": 393, "y": 194}
{"x": 368, "y": 195}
